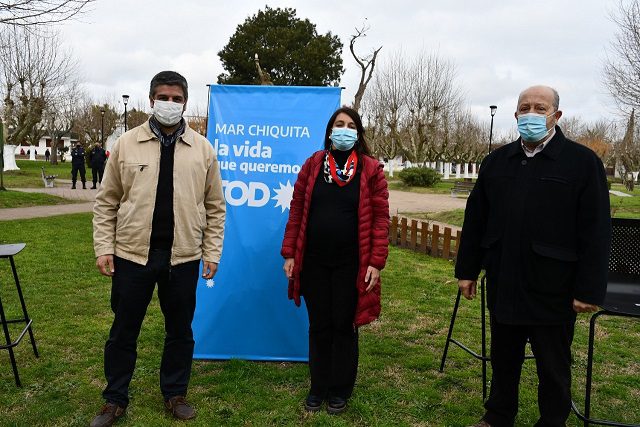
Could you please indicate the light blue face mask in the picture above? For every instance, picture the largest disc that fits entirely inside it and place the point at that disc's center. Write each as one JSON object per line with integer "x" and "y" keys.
{"x": 343, "y": 139}
{"x": 533, "y": 127}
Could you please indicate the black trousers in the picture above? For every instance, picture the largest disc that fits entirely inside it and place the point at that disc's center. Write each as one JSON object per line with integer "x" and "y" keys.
{"x": 96, "y": 174}
{"x": 331, "y": 296}
{"x": 74, "y": 173}
{"x": 551, "y": 346}
{"x": 131, "y": 292}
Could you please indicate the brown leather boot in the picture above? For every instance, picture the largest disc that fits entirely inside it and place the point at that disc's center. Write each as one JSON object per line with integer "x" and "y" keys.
{"x": 109, "y": 413}
{"x": 179, "y": 408}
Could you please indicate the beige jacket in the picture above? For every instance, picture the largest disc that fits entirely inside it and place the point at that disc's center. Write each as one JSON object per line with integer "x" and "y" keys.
{"x": 123, "y": 211}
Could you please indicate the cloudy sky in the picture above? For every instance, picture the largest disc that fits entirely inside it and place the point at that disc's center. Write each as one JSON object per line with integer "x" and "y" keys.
{"x": 499, "y": 47}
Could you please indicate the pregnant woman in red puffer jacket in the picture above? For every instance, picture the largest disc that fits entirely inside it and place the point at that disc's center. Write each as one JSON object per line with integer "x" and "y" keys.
{"x": 335, "y": 244}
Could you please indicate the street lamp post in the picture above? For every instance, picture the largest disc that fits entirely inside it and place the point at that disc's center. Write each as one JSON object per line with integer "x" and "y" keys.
{"x": 125, "y": 100}
{"x": 102, "y": 127}
{"x": 493, "y": 109}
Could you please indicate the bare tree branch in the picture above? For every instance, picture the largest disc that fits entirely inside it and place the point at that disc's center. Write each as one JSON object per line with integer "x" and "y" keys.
{"x": 621, "y": 69}
{"x": 27, "y": 13}
{"x": 366, "y": 64}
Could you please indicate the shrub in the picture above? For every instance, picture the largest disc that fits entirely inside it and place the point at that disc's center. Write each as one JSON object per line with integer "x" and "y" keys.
{"x": 419, "y": 177}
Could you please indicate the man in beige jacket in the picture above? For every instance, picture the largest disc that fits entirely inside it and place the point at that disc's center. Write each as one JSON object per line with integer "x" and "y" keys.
{"x": 159, "y": 212}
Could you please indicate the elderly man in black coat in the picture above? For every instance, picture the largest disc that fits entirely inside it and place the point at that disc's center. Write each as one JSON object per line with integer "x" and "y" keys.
{"x": 538, "y": 222}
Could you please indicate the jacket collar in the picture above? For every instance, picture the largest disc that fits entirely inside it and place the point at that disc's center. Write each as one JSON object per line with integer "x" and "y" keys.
{"x": 551, "y": 150}
{"x": 146, "y": 134}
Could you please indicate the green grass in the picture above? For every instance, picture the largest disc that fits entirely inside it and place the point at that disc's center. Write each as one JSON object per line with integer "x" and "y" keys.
{"x": 453, "y": 217}
{"x": 18, "y": 199}
{"x": 398, "y": 383}
{"x": 29, "y": 174}
{"x": 442, "y": 187}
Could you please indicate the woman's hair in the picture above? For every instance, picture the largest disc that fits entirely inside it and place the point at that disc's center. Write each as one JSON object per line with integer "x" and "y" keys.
{"x": 361, "y": 146}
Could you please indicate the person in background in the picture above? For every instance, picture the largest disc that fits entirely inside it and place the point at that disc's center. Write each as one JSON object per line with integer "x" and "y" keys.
{"x": 97, "y": 159}
{"x": 158, "y": 213}
{"x": 538, "y": 222}
{"x": 77, "y": 165}
{"x": 335, "y": 244}
{"x": 47, "y": 154}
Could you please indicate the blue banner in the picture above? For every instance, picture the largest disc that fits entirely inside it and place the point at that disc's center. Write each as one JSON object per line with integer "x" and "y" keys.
{"x": 262, "y": 135}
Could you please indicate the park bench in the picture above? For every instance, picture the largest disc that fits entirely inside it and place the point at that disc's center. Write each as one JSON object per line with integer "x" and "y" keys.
{"x": 47, "y": 179}
{"x": 463, "y": 187}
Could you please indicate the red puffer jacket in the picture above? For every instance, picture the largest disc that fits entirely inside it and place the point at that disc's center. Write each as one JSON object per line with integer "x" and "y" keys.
{"x": 373, "y": 229}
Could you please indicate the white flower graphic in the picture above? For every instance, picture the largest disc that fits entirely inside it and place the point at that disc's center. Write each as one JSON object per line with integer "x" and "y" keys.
{"x": 210, "y": 283}
{"x": 283, "y": 196}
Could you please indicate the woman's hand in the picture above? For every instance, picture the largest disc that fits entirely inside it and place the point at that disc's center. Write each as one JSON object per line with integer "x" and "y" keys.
{"x": 372, "y": 277}
{"x": 288, "y": 267}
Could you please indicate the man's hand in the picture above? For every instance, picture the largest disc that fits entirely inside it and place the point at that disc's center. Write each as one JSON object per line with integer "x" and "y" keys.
{"x": 372, "y": 277}
{"x": 583, "y": 307}
{"x": 105, "y": 265}
{"x": 468, "y": 288}
{"x": 209, "y": 269}
{"x": 288, "y": 267}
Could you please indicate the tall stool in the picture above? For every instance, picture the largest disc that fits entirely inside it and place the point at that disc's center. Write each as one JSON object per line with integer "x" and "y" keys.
{"x": 8, "y": 251}
{"x": 483, "y": 348}
{"x": 482, "y": 356}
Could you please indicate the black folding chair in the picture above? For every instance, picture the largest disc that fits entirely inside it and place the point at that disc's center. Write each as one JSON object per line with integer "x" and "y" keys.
{"x": 622, "y": 299}
{"x": 8, "y": 251}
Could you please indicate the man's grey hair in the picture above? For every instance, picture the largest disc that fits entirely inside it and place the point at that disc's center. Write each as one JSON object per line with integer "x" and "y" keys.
{"x": 556, "y": 97}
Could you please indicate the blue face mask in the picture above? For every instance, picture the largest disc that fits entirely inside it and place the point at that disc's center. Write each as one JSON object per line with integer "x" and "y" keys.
{"x": 343, "y": 139}
{"x": 533, "y": 127}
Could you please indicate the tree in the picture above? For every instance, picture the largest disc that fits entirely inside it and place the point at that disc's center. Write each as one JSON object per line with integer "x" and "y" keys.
{"x": 627, "y": 153}
{"x": 136, "y": 117}
{"x": 28, "y": 13}
{"x": 90, "y": 121}
{"x": 35, "y": 72}
{"x": 290, "y": 49}
{"x": 622, "y": 67}
{"x": 410, "y": 106}
{"x": 366, "y": 64}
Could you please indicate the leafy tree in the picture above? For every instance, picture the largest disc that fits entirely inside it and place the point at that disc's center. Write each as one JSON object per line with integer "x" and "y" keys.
{"x": 136, "y": 118}
{"x": 90, "y": 121}
{"x": 290, "y": 49}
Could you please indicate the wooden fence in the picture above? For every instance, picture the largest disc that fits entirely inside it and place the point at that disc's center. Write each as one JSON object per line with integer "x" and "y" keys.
{"x": 421, "y": 236}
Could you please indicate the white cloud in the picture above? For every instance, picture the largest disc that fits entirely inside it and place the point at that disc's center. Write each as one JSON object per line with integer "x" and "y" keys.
{"x": 500, "y": 48}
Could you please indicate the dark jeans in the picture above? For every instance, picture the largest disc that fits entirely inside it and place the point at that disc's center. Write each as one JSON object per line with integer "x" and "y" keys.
{"x": 74, "y": 173}
{"x": 551, "y": 346}
{"x": 96, "y": 174}
{"x": 331, "y": 296}
{"x": 131, "y": 292}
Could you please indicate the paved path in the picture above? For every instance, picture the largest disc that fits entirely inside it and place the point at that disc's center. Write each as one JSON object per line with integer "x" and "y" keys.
{"x": 399, "y": 202}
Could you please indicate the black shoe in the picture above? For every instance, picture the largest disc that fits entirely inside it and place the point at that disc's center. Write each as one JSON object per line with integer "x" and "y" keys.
{"x": 109, "y": 414}
{"x": 313, "y": 403}
{"x": 336, "y": 405}
{"x": 93, "y": 188}
{"x": 73, "y": 187}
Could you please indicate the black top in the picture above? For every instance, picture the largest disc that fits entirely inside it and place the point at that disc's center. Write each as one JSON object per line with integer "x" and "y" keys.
{"x": 77, "y": 156}
{"x": 541, "y": 228}
{"x": 332, "y": 228}
{"x": 97, "y": 157}
{"x": 162, "y": 225}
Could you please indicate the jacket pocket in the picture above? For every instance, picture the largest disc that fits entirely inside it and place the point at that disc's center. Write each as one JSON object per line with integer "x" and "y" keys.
{"x": 562, "y": 254}
{"x": 552, "y": 269}
{"x": 556, "y": 179}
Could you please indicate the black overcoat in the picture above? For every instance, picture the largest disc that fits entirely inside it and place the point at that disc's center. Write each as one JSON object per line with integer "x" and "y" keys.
{"x": 541, "y": 229}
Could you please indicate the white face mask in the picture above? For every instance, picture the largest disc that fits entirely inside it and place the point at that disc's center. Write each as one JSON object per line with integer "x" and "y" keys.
{"x": 167, "y": 113}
